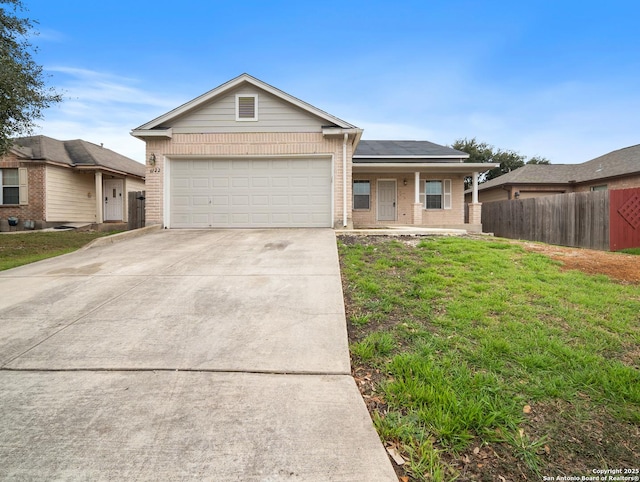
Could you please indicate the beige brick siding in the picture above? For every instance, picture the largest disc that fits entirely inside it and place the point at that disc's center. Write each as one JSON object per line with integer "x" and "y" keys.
{"x": 34, "y": 210}
{"x": 528, "y": 191}
{"x": 242, "y": 144}
{"x": 619, "y": 183}
{"x": 405, "y": 201}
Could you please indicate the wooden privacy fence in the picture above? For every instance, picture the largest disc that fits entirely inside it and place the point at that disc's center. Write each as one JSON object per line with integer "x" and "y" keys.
{"x": 605, "y": 220}
{"x": 136, "y": 209}
{"x": 574, "y": 219}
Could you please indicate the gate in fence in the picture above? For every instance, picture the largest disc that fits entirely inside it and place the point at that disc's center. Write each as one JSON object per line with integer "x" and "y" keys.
{"x": 136, "y": 209}
{"x": 624, "y": 219}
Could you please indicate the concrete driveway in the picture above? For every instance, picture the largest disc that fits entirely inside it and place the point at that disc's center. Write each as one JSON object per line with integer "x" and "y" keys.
{"x": 183, "y": 355}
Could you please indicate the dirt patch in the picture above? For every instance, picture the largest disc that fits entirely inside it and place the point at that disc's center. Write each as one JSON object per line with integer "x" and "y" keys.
{"x": 618, "y": 266}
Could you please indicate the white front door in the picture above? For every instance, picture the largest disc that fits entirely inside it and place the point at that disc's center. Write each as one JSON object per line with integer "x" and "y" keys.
{"x": 387, "y": 200}
{"x": 112, "y": 193}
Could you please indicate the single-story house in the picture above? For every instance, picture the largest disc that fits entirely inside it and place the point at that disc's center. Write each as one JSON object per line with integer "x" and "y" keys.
{"x": 619, "y": 169}
{"x": 247, "y": 154}
{"x": 52, "y": 182}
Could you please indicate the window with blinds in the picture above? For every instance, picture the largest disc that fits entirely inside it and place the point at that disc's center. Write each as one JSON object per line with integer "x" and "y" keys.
{"x": 9, "y": 186}
{"x": 437, "y": 194}
{"x": 247, "y": 107}
{"x": 361, "y": 195}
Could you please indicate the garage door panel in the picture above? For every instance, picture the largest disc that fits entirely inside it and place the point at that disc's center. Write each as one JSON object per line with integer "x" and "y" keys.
{"x": 220, "y": 182}
{"x": 260, "y": 182}
{"x": 280, "y": 182}
{"x": 240, "y": 200}
{"x": 250, "y": 193}
{"x": 260, "y": 200}
{"x": 220, "y": 200}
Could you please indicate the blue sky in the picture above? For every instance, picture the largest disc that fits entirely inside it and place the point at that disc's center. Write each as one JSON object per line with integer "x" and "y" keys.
{"x": 558, "y": 79}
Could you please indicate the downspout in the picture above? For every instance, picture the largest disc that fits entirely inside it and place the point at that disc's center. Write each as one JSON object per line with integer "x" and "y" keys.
{"x": 344, "y": 180}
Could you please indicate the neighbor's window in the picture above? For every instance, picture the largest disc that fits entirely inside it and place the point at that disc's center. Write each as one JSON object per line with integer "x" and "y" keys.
{"x": 247, "y": 107}
{"x": 361, "y": 194}
{"x": 602, "y": 187}
{"x": 10, "y": 183}
{"x": 437, "y": 194}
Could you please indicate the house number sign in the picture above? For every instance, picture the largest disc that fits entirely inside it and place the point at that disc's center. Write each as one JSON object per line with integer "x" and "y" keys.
{"x": 154, "y": 169}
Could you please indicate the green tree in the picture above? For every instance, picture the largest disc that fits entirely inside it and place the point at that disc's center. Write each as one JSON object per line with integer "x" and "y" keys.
{"x": 483, "y": 152}
{"x": 23, "y": 93}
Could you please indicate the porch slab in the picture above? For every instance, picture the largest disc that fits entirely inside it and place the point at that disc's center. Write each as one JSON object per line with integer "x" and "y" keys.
{"x": 403, "y": 231}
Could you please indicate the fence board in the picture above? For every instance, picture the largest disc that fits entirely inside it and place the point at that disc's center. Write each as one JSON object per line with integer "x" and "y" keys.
{"x": 575, "y": 219}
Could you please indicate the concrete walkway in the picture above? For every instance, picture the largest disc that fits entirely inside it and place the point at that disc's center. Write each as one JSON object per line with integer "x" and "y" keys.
{"x": 183, "y": 355}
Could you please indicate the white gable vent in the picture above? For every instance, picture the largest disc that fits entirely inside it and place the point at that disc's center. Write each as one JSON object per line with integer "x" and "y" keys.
{"x": 246, "y": 107}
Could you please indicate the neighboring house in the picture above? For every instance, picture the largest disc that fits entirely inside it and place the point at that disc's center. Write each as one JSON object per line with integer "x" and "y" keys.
{"x": 617, "y": 170}
{"x": 52, "y": 182}
{"x": 246, "y": 154}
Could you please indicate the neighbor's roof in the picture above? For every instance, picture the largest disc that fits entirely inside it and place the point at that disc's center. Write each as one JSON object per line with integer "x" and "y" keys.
{"x": 371, "y": 151}
{"x": 164, "y": 119}
{"x": 617, "y": 163}
{"x": 76, "y": 153}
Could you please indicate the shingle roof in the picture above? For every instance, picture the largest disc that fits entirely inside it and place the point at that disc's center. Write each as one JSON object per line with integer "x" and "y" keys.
{"x": 617, "y": 163}
{"x": 410, "y": 149}
{"x": 76, "y": 153}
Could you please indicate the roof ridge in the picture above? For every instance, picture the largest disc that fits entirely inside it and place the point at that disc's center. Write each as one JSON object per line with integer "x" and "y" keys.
{"x": 73, "y": 146}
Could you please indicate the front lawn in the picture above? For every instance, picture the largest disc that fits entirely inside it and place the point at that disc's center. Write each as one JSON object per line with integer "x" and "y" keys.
{"x": 23, "y": 248}
{"x": 479, "y": 360}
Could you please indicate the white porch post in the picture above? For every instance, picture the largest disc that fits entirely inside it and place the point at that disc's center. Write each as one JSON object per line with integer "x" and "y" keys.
{"x": 417, "y": 207}
{"x": 474, "y": 196}
{"x": 99, "y": 216}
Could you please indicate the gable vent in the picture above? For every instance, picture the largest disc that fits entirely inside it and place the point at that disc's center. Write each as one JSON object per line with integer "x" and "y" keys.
{"x": 246, "y": 107}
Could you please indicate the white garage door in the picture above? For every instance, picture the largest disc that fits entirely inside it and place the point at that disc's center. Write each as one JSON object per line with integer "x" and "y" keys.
{"x": 239, "y": 193}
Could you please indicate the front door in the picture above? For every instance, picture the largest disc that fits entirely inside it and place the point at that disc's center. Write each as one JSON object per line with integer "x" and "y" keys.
{"x": 387, "y": 200}
{"x": 112, "y": 193}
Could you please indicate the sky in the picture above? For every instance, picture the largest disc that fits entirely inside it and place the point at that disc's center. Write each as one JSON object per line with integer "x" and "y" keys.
{"x": 558, "y": 79}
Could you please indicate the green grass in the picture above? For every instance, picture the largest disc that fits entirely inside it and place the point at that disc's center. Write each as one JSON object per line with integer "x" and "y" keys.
{"x": 630, "y": 251}
{"x": 470, "y": 331}
{"x": 19, "y": 249}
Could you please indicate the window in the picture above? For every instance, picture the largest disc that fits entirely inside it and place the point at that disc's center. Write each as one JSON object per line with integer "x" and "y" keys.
{"x": 10, "y": 186}
{"x": 361, "y": 194}
{"x": 602, "y": 187}
{"x": 437, "y": 194}
{"x": 247, "y": 107}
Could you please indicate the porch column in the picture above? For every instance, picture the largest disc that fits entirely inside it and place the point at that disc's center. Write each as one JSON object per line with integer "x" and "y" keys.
{"x": 99, "y": 216}
{"x": 474, "y": 196}
{"x": 475, "y": 208}
{"x": 417, "y": 207}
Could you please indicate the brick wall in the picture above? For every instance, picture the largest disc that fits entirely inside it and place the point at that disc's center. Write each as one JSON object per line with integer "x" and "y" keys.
{"x": 405, "y": 200}
{"x": 620, "y": 183}
{"x": 242, "y": 144}
{"x": 35, "y": 209}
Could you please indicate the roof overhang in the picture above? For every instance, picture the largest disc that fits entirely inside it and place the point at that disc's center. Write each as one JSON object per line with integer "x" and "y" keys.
{"x": 157, "y": 133}
{"x": 93, "y": 168}
{"x": 381, "y": 158}
{"x": 466, "y": 168}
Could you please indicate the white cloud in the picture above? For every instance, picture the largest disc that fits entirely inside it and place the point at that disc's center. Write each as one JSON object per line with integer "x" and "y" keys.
{"x": 100, "y": 107}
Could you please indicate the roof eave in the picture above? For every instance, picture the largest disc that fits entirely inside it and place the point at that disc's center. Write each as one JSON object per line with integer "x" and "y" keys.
{"x": 403, "y": 156}
{"x": 143, "y": 133}
{"x": 459, "y": 168}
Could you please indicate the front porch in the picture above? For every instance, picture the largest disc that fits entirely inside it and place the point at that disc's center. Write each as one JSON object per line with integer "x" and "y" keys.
{"x": 419, "y": 198}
